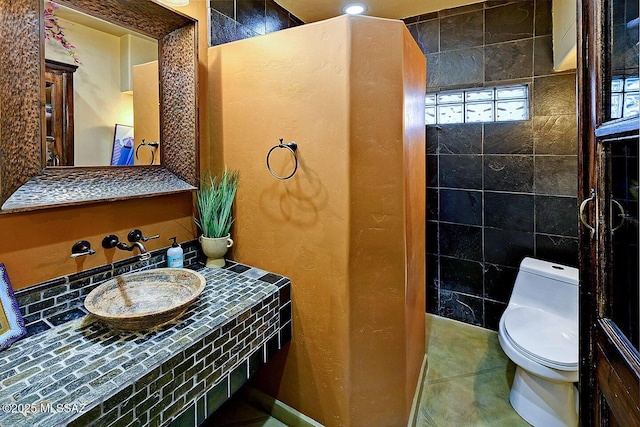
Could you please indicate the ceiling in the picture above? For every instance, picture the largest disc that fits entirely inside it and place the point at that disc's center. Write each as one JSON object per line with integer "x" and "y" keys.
{"x": 311, "y": 11}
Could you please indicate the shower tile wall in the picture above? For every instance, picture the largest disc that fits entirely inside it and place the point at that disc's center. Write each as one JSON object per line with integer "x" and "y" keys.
{"x": 233, "y": 20}
{"x": 496, "y": 192}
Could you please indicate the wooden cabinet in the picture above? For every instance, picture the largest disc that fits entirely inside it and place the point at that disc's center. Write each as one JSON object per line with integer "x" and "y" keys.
{"x": 58, "y": 144}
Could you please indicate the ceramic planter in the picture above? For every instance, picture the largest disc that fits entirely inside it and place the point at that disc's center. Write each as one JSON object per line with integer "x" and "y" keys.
{"x": 215, "y": 248}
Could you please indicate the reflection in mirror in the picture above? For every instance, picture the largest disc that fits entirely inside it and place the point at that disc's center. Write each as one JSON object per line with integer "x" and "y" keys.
{"x": 85, "y": 107}
{"x": 25, "y": 184}
{"x": 622, "y": 78}
{"x": 59, "y": 113}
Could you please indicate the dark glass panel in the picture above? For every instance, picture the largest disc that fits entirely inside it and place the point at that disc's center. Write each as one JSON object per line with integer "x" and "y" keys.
{"x": 620, "y": 91}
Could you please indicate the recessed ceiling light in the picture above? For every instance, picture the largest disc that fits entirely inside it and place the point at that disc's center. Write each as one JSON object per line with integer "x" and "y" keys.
{"x": 354, "y": 8}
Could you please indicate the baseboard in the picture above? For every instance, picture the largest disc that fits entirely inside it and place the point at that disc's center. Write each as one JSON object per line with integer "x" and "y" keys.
{"x": 294, "y": 418}
{"x": 413, "y": 415}
{"x": 279, "y": 410}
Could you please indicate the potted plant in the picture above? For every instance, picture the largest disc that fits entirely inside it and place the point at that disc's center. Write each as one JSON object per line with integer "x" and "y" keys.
{"x": 214, "y": 202}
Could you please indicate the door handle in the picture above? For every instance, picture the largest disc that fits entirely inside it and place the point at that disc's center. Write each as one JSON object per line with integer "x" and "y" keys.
{"x": 622, "y": 215}
{"x": 585, "y": 202}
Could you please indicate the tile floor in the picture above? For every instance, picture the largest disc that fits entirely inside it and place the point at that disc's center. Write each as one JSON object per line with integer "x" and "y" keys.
{"x": 468, "y": 379}
{"x": 236, "y": 412}
{"x": 467, "y": 383}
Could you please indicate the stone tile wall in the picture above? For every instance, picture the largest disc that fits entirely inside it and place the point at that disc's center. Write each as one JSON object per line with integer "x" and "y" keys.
{"x": 496, "y": 192}
{"x": 233, "y": 20}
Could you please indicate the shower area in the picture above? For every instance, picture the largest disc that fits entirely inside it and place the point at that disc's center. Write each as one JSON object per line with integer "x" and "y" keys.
{"x": 347, "y": 224}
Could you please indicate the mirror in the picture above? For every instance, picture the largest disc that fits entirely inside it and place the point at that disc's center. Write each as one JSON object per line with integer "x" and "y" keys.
{"x": 24, "y": 183}
{"x": 90, "y": 69}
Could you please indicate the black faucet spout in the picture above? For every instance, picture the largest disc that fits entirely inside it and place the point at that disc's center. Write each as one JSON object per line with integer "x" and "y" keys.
{"x": 123, "y": 246}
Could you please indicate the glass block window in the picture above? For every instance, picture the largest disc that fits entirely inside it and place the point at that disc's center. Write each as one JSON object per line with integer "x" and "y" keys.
{"x": 624, "y": 97}
{"x": 497, "y": 104}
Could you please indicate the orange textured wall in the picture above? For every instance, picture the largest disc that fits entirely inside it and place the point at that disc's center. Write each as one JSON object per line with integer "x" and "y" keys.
{"x": 146, "y": 112}
{"x": 338, "y": 228}
{"x": 36, "y": 245}
{"x": 277, "y": 86}
{"x": 386, "y": 260}
{"x": 415, "y": 203}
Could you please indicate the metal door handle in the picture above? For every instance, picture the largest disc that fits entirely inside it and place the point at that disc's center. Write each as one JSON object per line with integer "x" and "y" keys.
{"x": 592, "y": 230}
{"x": 622, "y": 215}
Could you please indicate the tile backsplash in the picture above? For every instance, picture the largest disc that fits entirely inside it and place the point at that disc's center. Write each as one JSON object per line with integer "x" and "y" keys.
{"x": 61, "y": 299}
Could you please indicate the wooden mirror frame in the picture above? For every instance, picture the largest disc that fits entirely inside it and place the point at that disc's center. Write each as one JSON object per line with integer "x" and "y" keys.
{"x": 24, "y": 183}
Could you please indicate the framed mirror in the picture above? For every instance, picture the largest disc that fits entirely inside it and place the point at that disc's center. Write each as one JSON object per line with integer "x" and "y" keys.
{"x": 91, "y": 68}
{"x": 24, "y": 183}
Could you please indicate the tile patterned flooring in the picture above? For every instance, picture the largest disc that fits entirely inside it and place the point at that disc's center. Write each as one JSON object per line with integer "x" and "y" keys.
{"x": 467, "y": 383}
{"x": 238, "y": 413}
{"x": 468, "y": 378}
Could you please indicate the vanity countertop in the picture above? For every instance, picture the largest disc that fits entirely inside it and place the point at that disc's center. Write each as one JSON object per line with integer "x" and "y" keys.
{"x": 54, "y": 377}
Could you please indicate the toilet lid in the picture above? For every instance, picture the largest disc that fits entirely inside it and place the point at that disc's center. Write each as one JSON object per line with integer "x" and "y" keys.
{"x": 549, "y": 339}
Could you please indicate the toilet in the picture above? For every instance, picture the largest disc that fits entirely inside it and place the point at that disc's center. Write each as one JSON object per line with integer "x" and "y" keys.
{"x": 539, "y": 332}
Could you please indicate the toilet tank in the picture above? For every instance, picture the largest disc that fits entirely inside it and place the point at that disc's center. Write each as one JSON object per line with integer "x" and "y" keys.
{"x": 548, "y": 286}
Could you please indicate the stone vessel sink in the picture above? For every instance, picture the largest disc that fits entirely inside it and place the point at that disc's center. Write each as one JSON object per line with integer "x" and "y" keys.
{"x": 145, "y": 299}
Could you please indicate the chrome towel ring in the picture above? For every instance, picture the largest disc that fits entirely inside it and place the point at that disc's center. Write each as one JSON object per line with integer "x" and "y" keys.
{"x": 292, "y": 147}
{"x": 153, "y": 146}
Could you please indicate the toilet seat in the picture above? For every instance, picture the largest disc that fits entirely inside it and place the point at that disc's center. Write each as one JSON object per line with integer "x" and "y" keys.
{"x": 544, "y": 337}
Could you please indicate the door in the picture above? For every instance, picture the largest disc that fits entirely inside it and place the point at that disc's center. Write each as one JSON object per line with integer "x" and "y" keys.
{"x": 58, "y": 144}
{"x": 608, "y": 185}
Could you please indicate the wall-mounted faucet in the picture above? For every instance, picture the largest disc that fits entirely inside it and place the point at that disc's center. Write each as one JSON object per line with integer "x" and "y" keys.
{"x": 112, "y": 241}
{"x": 81, "y": 248}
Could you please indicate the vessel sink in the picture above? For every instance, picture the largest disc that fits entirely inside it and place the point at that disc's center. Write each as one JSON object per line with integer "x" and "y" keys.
{"x": 143, "y": 300}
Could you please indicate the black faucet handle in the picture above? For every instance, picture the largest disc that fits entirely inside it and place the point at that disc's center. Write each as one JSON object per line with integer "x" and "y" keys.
{"x": 110, "y": 241}
{"x": 135, "y": 235}
{"x": 81, "y": 248}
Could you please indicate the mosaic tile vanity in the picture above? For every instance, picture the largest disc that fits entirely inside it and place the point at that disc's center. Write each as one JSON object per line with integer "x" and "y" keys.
{"x": 73, "y": 370}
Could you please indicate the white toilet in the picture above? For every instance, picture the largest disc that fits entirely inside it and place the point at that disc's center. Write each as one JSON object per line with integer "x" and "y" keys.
{"x": 539, "y": 333}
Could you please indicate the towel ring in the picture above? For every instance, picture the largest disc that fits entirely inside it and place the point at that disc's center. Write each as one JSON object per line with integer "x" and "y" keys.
{"x": 152, "y": 147}
{"x": 292, "y": 147}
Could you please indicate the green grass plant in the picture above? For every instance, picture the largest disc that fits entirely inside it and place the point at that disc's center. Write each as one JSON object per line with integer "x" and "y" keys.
{"x": 214, "y": 202}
